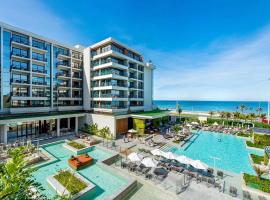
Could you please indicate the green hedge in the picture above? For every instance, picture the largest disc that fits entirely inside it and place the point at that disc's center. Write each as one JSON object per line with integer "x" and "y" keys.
{"x": 255, "y": 182}
{"x": 261, "y": 125}
{"x": 227, "y": 122}
{"x": 71, "y": 182}
{"x": 139, "y": 125}
{"x": 241, "y": 134}
{"x": 257, "y": 159}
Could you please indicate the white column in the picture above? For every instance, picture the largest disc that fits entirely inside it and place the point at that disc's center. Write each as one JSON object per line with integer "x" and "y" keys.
{"x": 58, "y": 127}
{"x": 3, "y": 134}
{"x": 68, "y": 123}
{"x": 51, "y": 125}
{"x": 1, "y": 65}
{"x": 76, "y": 125}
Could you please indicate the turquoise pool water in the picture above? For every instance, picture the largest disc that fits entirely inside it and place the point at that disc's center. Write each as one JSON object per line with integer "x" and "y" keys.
{"x": 106, "y": 182}
{"x": 231, "y": 151}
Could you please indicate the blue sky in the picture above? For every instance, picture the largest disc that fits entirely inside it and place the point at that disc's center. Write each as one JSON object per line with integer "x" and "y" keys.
{"x": 208, "y": 50}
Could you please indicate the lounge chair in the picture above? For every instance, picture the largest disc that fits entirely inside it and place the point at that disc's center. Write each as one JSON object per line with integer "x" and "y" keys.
{"x": 220, "y": 174}
{"x": 218, "y": 185}
{"x": 261, "y": 198}
{"x": 210, "y": 182}
{"x": 246, "y": 195}
{"x": 210, "y": 171}
{"x": 233, "y": 191}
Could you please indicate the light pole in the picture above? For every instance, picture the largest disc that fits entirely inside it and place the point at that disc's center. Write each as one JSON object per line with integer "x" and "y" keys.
{"x": 268, "y": 111}
{"x": 214, "y": 159}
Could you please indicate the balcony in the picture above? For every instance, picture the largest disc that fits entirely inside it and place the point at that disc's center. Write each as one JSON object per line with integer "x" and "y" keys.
{"x": 62, "y": 54}
{"x": 41, "y": 71}
{"x": 62, "y": 74}
{"x": 133, "y": 86}
{"x": 76, "y": 66}
{"x": 132, "y": 76}
{"x": 39, "y": 58}
{"x": 77, "y": 96}
{"x": 21, "y": 54}
{"x": 76, "y": 86}
{"x": 39, "y": 94}
{"x": 113, "y": 84}
{"x": 102, "y": 106}
{"x": 63, "y": 95}
{"x": 63, "y": 84}
{"x": 39, "y": 45}
{"x": 39, "y": 82}
{"x": 19, "y": 67}
{"x": 77, "y": 57}
{"x": 63, "y": 64}
{"x": 20, "y": 40}
{"x": 21, "y": 81}
{"x": 19, "y": 94}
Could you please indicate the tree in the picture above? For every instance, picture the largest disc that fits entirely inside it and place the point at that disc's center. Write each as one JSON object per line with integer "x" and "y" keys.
{"x": 178, "y": 110}
{"x": 258, "y": 171}
{"x": 92, "y": 129}
{"x": 236, "y": 115}
{"x": 105, "y": 133}
{"x": 228, "y": 115}
{"x": 263, "y": 116}
{"x": 16, "y": 178}
{"x": 176, "y": 128}
{"x": 211, "y": 113}
{"x": 259, "y": 110}
{"x": 252, "y": 116}
{"x": 242, "y": 107}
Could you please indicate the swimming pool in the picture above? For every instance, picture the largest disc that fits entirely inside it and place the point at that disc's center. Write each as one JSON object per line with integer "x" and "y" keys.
{"x": 230, "y": 151}
{"x": 106, "y": 182}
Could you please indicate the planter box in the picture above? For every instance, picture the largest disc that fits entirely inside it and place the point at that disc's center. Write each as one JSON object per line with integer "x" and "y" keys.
{"x": 61, "y": 190}
{"x": 77, "y": 151}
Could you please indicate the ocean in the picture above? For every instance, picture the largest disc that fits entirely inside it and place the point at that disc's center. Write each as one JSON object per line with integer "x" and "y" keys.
{"x": 206, "y": 106}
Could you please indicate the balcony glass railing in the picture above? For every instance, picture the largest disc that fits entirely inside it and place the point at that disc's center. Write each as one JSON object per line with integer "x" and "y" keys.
{"x": 19, "y": 67}
{"x": 64, "y": 74}
{"x": 39, "y": 57}
{"x": 15, "y": 80}
{"x": 112, "y": 84}
{"x": 66, "y": 64}
{"x": 20, "y": 53}
{"x": 39, "y": 82}
{"x": 108, "y": 106}
{"x": 19, "y": 94}
{"x": 42, "y": 71}
{"x": 63, "y": 95}
{"x": 63, "y": 52}
{"x": 20, "y": 39}
{"x": 39, "y": 94}
{"x": 39, "y": 45}
{"x": 76, "y": 86}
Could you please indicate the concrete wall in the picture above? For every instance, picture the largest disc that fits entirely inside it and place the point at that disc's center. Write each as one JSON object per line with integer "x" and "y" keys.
{"x": 102, "y": 121}
{"x": 148, "y": 87}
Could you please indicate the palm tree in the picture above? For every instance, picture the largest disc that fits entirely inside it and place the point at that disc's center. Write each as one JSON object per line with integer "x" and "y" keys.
{"x": 178, "y": 110}
{"x": 259, "y": 110}
{"x": 242, "y": 107}
{"x": 252, "y": 116}
{"x": 236, "y": 115}
{"x": 211, "y": 113}
{"x": 228, "y": 115}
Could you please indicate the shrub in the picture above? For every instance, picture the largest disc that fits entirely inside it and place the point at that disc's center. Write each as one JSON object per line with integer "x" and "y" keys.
{"x": 71, "y": 182}
{"x": 257, "y": 159}
{"x": 139, "y": 125}
{"x": 255, "y": 182}
{"x": 76, "y": 145}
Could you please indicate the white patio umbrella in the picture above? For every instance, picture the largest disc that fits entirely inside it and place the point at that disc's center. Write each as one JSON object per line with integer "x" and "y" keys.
{"x": 184, "y": 160}
{"x": 188, "y": 125}
{"x": 135, "y": 157}
{"x": 157, "y": 152}
{"x": 195, "y": 123}
{"x": 149, "y": 162}
{"x": 169, "y": 155}
{"x": 132, "y": 131}
{"x": 215, "y": 124}
{"x": 199, "y": 164}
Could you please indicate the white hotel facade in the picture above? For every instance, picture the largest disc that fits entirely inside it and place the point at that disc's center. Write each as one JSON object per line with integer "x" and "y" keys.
{"x": 50, "y": 89}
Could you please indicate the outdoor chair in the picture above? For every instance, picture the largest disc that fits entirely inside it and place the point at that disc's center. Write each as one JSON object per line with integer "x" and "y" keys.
{"x": 211, "y": 182}
{"x": 218, "y": 185}
{"x": 210, "y": 171}
{"x": 220, "y": 174}
{"x": 246, "y": 195}
{"x": 261, "y": 198}
{"x": 233, "y": 191}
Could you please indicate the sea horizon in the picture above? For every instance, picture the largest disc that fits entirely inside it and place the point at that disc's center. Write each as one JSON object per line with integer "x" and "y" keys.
{"x": 212, "y": 105}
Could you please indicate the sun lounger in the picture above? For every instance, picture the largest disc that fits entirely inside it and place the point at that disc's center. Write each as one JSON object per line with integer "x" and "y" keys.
{"x": 220, "y": 174}
{"x": 218, "y": 185}
{"x": 233, "y": 191}
{"x": 246, "y": 195}
{"x": 261, "y": 198}
{"x": 210, "y": 182}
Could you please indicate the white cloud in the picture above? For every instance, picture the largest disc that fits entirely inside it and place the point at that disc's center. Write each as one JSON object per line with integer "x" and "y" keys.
{"x": 237, "y": 69}
{"x": 35, "y": 16}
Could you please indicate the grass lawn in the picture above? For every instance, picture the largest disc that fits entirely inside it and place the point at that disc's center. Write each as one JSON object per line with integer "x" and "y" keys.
{"x": 257, "y": 159}
{"x": 255, "y": 182}
{"x": 76, "y": 145}
{"x": 69, "y": 181}
{"x": 241, "y": 134}
{"x": 154, "y": 113}
{"x": 260, "y": 141}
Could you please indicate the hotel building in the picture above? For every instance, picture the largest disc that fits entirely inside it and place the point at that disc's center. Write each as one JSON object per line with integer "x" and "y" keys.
{"x": 49, "y": 89}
